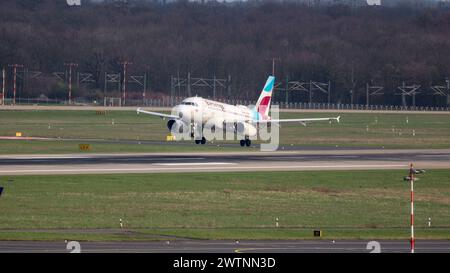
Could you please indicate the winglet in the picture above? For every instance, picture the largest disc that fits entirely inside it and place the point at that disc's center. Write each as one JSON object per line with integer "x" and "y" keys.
{"x": 138, "y": 110}
{"x": 338, "y": 118}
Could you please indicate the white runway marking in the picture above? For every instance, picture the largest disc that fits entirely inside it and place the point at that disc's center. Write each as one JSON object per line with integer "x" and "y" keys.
{"x": 44, "y": 157}
{"x": 182, "y": 158}
{"x": 153, "y": 159}
{"x": 193, "y": 168}
{"x": 308, "y": 157}
{"x": 285, "y": 158}
{"x": 345, "y": 156}
{"x": 194, "y": 164}
{"x": 433, "y": 156}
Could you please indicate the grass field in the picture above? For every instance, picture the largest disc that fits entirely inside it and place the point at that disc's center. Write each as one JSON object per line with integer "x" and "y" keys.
{"x": 71, "y": 146}
{"x": 355, "y": 130}
{"x": 357, "y": 204}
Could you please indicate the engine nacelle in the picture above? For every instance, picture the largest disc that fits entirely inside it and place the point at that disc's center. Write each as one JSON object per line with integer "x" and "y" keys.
{"x": 245, "y": 129}
{"x": 175, "y": 126}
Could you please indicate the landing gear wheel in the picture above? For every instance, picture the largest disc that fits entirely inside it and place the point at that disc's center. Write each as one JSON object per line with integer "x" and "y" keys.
{"x": 248, "y": 142}
{"x": 198, "y": 141}
{"x": 203, "y": 141}
{"x": 242, "y": 143}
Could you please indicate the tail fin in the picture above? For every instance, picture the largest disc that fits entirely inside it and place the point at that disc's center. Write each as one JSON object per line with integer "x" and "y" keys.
{"x": 263, "y": 103}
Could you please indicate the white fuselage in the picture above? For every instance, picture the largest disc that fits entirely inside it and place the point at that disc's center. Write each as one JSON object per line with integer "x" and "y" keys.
{"x": 199, "y": 118}
{"x": 208, "y": 111}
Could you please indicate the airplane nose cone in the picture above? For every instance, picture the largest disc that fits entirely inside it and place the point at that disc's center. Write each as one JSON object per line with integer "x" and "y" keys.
{"x": 176, "y": 111}
{"x": 180, "y": 111}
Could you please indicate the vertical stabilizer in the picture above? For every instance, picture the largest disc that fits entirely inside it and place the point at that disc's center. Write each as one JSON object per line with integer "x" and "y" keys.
{"x": 263, "y": 103}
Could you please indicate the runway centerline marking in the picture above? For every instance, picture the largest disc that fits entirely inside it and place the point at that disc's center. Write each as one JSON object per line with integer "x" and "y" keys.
{"x": 194, "y": 164}
{"x": 156, "y": 159}
{"x": 224, "y": 168}
{"x": 285, "y": 157}
{"x": 433, "y": 155}
{"x": 344, "y": 156}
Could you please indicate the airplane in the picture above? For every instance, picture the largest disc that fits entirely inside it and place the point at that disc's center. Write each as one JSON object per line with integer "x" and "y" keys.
{"x": 244, "y": 120}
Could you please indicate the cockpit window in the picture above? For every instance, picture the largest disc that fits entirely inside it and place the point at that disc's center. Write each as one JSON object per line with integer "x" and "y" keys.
{"x": 189, "y": 103}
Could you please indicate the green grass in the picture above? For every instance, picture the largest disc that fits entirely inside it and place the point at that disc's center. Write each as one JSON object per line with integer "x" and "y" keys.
{"x": 72, "y": 146}
{"x": 388, "y": 130}
{"x": 372, "y": 130}
{"x": 356, "y": 204}
{"x": 61, "y": 236}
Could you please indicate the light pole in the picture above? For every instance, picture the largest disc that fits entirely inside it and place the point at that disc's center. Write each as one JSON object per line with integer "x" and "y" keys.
{"x": 15, "y": 66}
{"x": 411, "y": 178}
{"x": 273, "y": 65}
{"x": 124, "y": 88}
{"x": 70, "y": 65}
{"x": 3, "y": 85}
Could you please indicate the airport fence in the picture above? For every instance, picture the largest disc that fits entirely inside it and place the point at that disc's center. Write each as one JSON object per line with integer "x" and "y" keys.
{"x": 170, "y": 102}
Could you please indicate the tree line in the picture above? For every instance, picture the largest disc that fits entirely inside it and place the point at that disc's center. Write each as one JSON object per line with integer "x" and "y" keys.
{"x": 347, "y": 46}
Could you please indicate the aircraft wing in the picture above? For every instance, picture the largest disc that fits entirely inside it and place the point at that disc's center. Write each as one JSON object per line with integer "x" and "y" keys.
{"x": 300, "y": 120}
{"x": 161, "y": 115}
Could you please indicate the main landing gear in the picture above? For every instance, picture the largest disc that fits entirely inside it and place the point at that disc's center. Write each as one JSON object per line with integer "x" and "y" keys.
{"x": 201, "y": 141}
{"x": 245, "y": 142}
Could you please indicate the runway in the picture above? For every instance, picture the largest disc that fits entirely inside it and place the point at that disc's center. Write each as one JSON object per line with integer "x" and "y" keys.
{"x": 201, "y": 246}
{"x": 213, "y": 162}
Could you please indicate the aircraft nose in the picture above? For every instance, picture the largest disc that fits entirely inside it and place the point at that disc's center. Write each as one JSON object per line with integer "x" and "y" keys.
{"x": 185, "y": 112}
{"x": 180, "y": 110}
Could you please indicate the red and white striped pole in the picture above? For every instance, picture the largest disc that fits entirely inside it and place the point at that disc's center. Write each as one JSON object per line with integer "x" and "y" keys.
{"x": 70, "y": 65}
{"x": 3, "y": 85}
{"x": 70, "y": 84}
{"x": 15, "y": 66}
{"x": 14, "y": 84}
{"x": 411, "y": 179}
{"x": 124, "y": 85}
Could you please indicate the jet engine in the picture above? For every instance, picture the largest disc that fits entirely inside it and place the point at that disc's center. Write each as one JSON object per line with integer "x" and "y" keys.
{"x": 175, "y": 126}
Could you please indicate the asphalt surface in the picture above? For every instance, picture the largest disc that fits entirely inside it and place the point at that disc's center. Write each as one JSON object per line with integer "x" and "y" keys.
{"x": 245, "y": 161}
{"x": 261, "y": 246}
{"x": 284, "y": 147}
